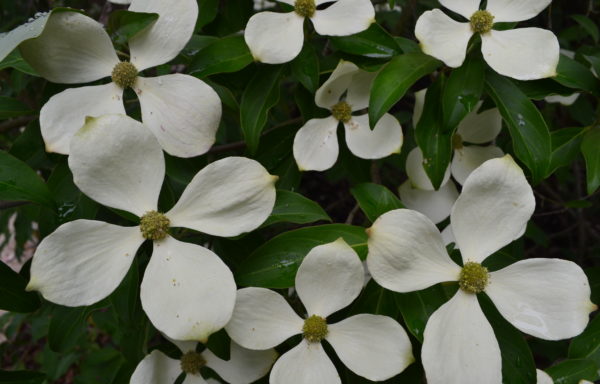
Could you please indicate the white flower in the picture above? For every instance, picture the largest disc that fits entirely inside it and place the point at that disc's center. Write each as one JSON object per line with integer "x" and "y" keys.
{"x": 187, "y": 291}
{"x": 182, "y": 111}
{"x": 276, "y": 38}
{"x": 543, "y": 377}
{"x": 346, "y": 91}
{"x": 330, "y": 278}
{"x": 546, "y": 298}
{"x": 523, "y": 54}
{"x": 243, "y": 367}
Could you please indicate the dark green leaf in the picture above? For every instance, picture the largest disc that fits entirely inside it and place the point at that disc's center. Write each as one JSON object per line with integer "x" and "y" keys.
{"x": 229, "y": 54}
{"x": 67, "y": 327}
{"x": 529, "y": 132}
{"x": 207, "y": 11}
{"x": 16, "y": 61}
{"x": 305, "y": 68}
{"x": 395, "y": 79}
{"x": 19, "y": 182}
{"x": 539, "y": 89}
{"x": 123, "y": 24}
{"x": 274, "y": 264}
{"x": 590, "y": 27}
{"x": 573, "y": 74}
{"x": 21, "y": 377}
{"x": 291, "y": 207}
{"x": 565, "y": 146}
{"x": 259, "y": 97}
{"x": 374, "y": 42}
{"x": 376, "y": 300}
{"x": 462, "y": 91}
{"x": 587, "y": 344}
{"x": 594, "y": 60}
{"x": 10, "y": 107}
{"x": 13, "y": 296}
{"x": 572, "y": 371}
{"x": 589, "y": 148}
{"x": 375, "y": 199}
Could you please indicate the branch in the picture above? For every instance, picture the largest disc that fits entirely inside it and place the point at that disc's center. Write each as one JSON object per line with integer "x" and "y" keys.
{"x": 16, "y": 123}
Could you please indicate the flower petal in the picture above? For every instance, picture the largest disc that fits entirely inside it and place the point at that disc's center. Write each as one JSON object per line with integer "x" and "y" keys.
{"x": 416, "y": 172}
{"x": 515, "y": 10}
{"x": 464, "y": 8}
{"x": 83, "y": 261}
{"x": 542, "y": 377}
{"x": 316, "y": 144}
{"x": 495, "y": 204}
{"x": 480, "y": 128}
{"x": 305, "y": 363}
{"x": 467, "y": 159}
{"x": 406, "y": 252}
{"x": 418, "y": 108}
{"x": 372, "y": 346}
{"x": 72, "y": 49}
{"x": 442, "y": 37}
{"x": 459, "y": 344}
{"x": 330, "y": 93}
{"x": 226, "y": 198}
{"x": 194, "y": 379}
{"x": 64, "y": 114}
{"x": 245, "y": 366}
{"x": 161, "y": 41}
{"x": 275, "y": 38}
{"x": 344, "y": 17}
{"x": 187, "y": 292}
{"x": 523, "y": 54}
{"x": 546, "y": 298}
{"x": 386, "y": 138}
{"x": 262, "y": 319}
{"x": 156, "y": 368}
{"x": 359, "y": 90}
{"x": 182, "y": 111}
{"x": 116, "y": 161}
{"x": 448, "y": 236}
{"x": 329, "y": 278}
{"x": 436, "y": 205}
{"x": 563, "y": 100}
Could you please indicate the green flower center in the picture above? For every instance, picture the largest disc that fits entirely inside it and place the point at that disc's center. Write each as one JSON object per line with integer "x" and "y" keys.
{"x": 315, "y": 329}
{"x": 305, "y": 8}
{"x": 482, "y": 22}
{"x": 342, "y": 111}
{"x": 154, "y": 225}
{"x": 457, "y": 141}
{"x": 124, "y": 74}
{"x": 191, "y": 362}
{"x": 474, "y": 277}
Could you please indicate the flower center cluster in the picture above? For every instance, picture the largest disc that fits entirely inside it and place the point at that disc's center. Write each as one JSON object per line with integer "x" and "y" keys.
{"x": 457, "y": 141}
{"x": 315, "y": 329}
{"x": 342, "y": 112}
{"x": 191, "y": 362}
{"x": 124, "y": 74}
{"x": 473, "y": 278}
{"x": 305, "y": 8}
{"x": 482, "y": 22}
{"x": 154, "y": 225}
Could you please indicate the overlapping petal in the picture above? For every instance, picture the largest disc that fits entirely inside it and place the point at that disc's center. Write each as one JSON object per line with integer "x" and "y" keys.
{"x": 83, "y": 261}
{"x": 156, "y": 368}
{"x": 360, "y": 89}
{"x": 226, "y": 198}
{"x": 116, "y": 161}
{"x": 275, "y": 38}
{"x": 244, "y": 366}
{"x": 416, "y": 172}
{"x": 344, "y": 17}
{"x": 305, "y": 363}
{"x": 515, "y": 10}
{"x": 316, "y": 144}
{"x": 187, "y": 292}
{"x": 464, "y": 8}
{"x": 467, "y": 159}
{"x": 436, "y": 205}
{"x": 406, "y": 252}
{"x": 336, "y": 84}
{"x": 386, "y": 138}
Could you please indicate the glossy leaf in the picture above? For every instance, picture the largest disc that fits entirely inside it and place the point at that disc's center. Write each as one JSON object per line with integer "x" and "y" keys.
{"x": 229, "y": 54}
{"x": 565, "y": 146}
{"x": 67, "y": 327}
{"x": 19, "y": 182}
{"x": 374, "y": 42}
{"x": 123, "y": 24}
{"x": 572, "y": 371}
{"x": 13, "y": 296}
{"x": 16, "y": 61}
{"x": 587, "y": 344}
{"x": 291, "y": 207}
{"x": 588, "y": 25}
{"x": 10, "y": 107}
{"x": 462, "y": 91}
{"x": 573, "y": 74}
{"x": 305, "y": 68}
{"x": 207, "y": 11}
{"x": 375, "y": 199}
{"x": 589, "y": 148}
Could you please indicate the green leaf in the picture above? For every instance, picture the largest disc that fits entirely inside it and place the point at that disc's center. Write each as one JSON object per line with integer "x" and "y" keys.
{"x": 16, "y": 61}
{"x": 13, "y": 296}
{"x": 21, "y": 377}
{"x": 259, "y": 97}
{"x": 123, "y": 24}
{"x": 291, "y": 207}
{"x": 573, "y": 74}
{"x": 274, "y": 264}
{"x": 374, "y": 42}
{"x": 565, "y": 146}
{"x": 572, "y": 371}
{"x": 589, "y": 148}
{"x": 590, "y": 27}
{"x": 229, "y": 54}
{"x": 376, "y": 300}
{"x": 539, "y": 89}
{"x": 395, "y": 79}
{"x": 67, "y": 327}
{"x": 587, "y": 344}
{"x": 10, "y": 107}
{"x": 375, "y": 199}
{"x": 530, "y": 136}
{"x": 207, "y": 12}
{"x": 594, "y": 61}
{"x": 305, "y": 68}
{"x": 19, "y": 182}
{"x": 462, "y": 91}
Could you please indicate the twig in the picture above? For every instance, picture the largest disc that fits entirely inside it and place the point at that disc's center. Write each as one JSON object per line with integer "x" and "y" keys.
{"x": 353, "y": 212}
{"x": 16, "y": 123}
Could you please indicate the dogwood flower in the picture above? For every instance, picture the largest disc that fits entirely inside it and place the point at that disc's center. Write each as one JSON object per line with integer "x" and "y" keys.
{"x": 276, "y": 38}
{"x": 546, "y": 298}
{"x": 187, "y": 291}
{"x": 523, "y": 54}
{"x": 243, "y": 367}
{"x": 182, "y": 111}
{"x": 542, "y": 377}
{"x": 330, "y": 278}
{"x": 346, "y": 91}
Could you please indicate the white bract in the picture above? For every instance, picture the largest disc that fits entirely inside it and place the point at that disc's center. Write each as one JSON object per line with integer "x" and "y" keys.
{"x": 243, "y": 367}
{"x": 330, "y": 278}
{"x": 523, "y": 53}
{"x": 345, "y": 92}
{"x": 187, "y": 291}
{"x": 542, "y": 377}
{"x": 546, "y": 298}
{"x": 182, "y": 111}
{"x": 276, "y": 38}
